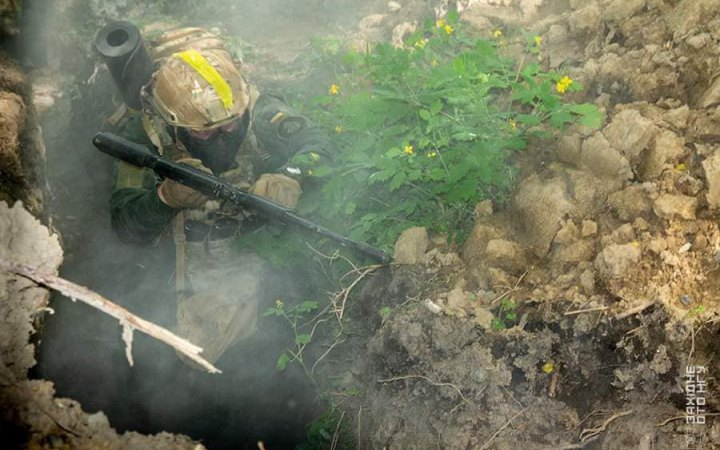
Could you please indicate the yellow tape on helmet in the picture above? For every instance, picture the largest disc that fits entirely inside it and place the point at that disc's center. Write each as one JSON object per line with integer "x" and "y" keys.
{"x": 202, "y": 66}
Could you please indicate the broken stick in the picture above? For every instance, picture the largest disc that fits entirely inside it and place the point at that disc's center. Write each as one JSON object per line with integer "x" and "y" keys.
{"x": 128, "y": 320}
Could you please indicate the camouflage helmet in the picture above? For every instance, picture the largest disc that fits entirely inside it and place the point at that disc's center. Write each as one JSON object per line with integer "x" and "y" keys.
{"x": 198, "y": 89}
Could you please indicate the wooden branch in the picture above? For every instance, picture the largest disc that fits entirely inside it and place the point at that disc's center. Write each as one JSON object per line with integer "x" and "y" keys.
{"x": 635, "y": 310}
{"x": 128, "y": 320}
{"x": 587, "y": 310}
{"x": 509, "y": 290}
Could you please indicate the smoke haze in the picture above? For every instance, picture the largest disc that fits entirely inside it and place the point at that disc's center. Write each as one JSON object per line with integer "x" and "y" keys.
{"x": 80, "y": 348}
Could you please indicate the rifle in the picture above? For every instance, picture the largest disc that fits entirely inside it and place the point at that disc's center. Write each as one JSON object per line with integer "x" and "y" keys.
{"x": 208, "y": 184}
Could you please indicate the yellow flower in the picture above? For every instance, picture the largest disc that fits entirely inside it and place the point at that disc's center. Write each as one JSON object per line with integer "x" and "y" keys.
{"x": 681, "y": 167}
{"x": 314, "y": 156}
{"x": 548, "y": 367}
{"x": 513, "y": 124}
{"x": 563, "y": 85}
{"x": 497, "y": 34}
{"x": 538, "y": 40}
{"x": 334, "y": 89}
{"x": 440, "y": 23}
{"x": 431, "y": 155}
{"x": 421, "y": 43}
{"x": 409, "y": 150}
{"x": 279, "y": 304}
{"x": 339, "y": 129}
{"x": 448, "y": 29}
{"x": 434, "y": 63}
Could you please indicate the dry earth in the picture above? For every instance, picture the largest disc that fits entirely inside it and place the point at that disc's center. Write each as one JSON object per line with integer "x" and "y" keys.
{"x": 610, "y": 249}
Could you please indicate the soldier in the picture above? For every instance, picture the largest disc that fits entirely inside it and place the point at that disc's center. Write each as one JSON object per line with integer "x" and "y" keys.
{"x": 198, "y": 109}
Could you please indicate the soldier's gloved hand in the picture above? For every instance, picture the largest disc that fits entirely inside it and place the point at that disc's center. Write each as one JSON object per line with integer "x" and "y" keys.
{"x": 278, "y": 188}
{"x": 238, "y": 177}
{"x": 179, "y": 196}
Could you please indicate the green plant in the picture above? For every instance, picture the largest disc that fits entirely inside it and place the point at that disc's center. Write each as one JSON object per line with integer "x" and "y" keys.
{"x": 696, "y": 312}
{"x": 294, "y": 316}
{"x": 331, "y": 430}
{"x": 424, "y": 132}
{"x": 506, "y": 315}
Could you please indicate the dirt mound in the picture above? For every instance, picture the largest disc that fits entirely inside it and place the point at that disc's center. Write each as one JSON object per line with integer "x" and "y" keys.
{"x": 575, "y": 314}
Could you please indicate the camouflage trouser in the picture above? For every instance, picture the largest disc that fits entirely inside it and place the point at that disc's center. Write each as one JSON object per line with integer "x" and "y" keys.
{"x": 224, "y": 287}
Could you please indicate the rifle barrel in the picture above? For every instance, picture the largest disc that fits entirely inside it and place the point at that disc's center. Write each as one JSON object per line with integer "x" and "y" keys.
{"x": 208, "y": 184}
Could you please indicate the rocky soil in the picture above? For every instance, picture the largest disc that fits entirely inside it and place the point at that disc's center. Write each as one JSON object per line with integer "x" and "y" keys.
{"x": 566, "y": 320}
{"x": 610, "y": 250}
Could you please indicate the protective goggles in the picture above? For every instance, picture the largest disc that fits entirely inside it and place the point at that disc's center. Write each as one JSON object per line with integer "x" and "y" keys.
{"x": 204, "y": 135}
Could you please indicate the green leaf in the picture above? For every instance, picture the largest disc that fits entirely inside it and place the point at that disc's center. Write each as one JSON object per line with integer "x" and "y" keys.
{"x": 530, "y": 120}
{"x": 460, "y": 66}
{"x": 273, "y": 312}
{"x": 436, "y": 174}
{"x": 282, "y": 361}
{"x": 436, "y": 107}
{"x": 423, "y": 143}
{"x": 395, "y": 130}
{"x": 350, "y": 208}
{"x": 352, "y": 391}
{"x": 393, "y": 152}
{"x": 307, "y": 306}
{"x": 590, "y": 115}
{"x": 322, "y": 171}
{"x": 303, "y": 339}
{"x": 523, "y": 94}
{"x": 425, "y": 115}
{"x": 497, "y": 324}
{"x": 464, "y": 136}
{"x": 381, "y": 175}
{"x": 560, "y": 118}
{"x": 414, "y": 175}
{"x": 530, "y": 71}
{"x": 397, "y": 181}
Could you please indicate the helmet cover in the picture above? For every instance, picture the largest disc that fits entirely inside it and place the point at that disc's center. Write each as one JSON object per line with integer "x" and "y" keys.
{"x": 199, "y": 90}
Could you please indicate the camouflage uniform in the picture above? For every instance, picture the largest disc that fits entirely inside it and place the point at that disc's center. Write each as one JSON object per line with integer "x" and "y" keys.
{"x": 218, "y": 287}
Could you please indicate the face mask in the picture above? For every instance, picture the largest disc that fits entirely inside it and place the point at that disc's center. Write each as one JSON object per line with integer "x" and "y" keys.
{"x": 216, "y": 148}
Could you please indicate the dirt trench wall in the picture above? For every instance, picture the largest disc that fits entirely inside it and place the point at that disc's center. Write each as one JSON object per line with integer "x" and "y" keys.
{"x": 22, "y": 153}
{"x": 609, "y": 253}
{"x": 9, "y": 10}
{"x": 31, "y": 416}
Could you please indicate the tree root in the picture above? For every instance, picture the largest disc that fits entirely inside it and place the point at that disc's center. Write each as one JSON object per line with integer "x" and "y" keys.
{"x": 129, "y": 321}
{"x": 495, "y": 434}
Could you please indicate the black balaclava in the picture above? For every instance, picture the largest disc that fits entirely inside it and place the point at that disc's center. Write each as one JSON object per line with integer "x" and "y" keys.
{"x": 219, "y": 151}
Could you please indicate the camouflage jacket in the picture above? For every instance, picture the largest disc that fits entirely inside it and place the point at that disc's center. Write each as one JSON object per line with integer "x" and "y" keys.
{"x": 276, "y": 134}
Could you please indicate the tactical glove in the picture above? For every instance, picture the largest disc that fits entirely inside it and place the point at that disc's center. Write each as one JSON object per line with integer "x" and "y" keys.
{"x": 179, "y": 196}
{"x": 278, "y": 188}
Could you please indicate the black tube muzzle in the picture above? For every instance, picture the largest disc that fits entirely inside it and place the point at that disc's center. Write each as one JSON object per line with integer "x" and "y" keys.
{"x": 123, "y": 50}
